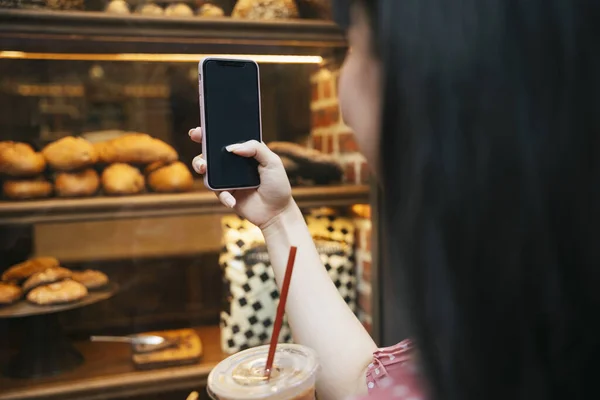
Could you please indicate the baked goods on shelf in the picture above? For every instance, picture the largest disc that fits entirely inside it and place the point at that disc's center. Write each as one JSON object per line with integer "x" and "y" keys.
{"x": 168, "y": 178}
{"x": 135, "y": 148}
{"x": 122, "y": 179}
{"x": 9, "y": 293}
{"x": 307, "y": 166}
{"x": 65, "y": 291}
{"x": 20, "y": 160}
{"x": 179, "y": 10}
{"x": 47, "y": 276}
{"x": 24, "y": 189}
{"x": 210, "y": 10}
{"x": 90, "y": 278}
{"x": 151, "y": 9}
{"x": 77, "y": 184}
{"x": 25, "y": 269}
{"x": 265, "y": 9}
{"x": 70, "y": 153}
{"x": 119, "y": 7}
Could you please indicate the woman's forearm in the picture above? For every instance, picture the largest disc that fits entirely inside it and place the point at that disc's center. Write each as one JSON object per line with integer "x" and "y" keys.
{"x": 318, "y": 315}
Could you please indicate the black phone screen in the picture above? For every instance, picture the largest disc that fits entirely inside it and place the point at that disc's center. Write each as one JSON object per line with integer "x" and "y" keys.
{"x": 231, "y": 115}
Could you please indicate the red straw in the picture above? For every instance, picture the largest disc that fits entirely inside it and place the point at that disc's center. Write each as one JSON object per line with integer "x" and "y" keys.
{"x": 280, "y": 311}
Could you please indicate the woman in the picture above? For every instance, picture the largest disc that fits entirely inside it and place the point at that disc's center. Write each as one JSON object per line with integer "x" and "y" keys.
{"x": 481, "y": 120}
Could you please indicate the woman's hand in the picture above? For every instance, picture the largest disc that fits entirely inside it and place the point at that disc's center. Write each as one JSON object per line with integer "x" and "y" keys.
{"x": 273, "y": 196}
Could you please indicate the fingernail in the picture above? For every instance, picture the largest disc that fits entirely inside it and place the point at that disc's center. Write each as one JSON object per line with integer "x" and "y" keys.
{"x": 190, "y": 132}
{"x": 197, "y": 163}
{"x": 194, "y": 130}
{"x": 232, "y": 147}
{"x": 230, "y": 202}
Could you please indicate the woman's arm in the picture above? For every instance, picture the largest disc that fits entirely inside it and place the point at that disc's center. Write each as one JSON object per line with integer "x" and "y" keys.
{"x": 318, "y": 315}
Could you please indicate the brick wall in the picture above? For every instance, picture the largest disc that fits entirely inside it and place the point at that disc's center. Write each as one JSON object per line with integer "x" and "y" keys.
{"x": 330, "y": 135}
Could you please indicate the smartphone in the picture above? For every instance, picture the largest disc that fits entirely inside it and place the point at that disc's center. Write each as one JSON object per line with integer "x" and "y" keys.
{"x": 230, "y": 113}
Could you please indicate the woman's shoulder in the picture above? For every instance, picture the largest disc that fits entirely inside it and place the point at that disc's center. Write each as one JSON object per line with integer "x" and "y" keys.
{"x": 394, "y": 374}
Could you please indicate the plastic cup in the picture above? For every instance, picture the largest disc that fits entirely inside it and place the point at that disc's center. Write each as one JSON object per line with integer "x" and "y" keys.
{"x": 241, "y": 376}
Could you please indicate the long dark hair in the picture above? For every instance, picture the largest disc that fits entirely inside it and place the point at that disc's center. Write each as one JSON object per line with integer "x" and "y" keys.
{"x": 491, "y": 178}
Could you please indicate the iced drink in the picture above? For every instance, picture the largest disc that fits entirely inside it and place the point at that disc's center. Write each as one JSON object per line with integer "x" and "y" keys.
{"x": 241, "y": 376}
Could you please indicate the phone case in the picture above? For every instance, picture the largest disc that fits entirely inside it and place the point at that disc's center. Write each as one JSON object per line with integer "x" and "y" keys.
{"x": 202, "y": 116}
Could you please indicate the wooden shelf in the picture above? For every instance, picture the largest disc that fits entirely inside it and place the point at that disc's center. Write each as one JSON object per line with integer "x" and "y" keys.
{"x": 97, "y": 32}
{"x": 159, "y": 205}
{"x": 108, "y": 373}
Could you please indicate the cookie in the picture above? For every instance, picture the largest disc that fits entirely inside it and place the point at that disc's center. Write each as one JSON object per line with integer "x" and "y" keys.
{"x": 135, "y": 148}
{"x": 77, "y": 184}
{"x": 90, "y": 278}
{"x": 24, "y": 270}
{"x": 20, "y": 159}
{"x": 67, "y": 291}
{"x": 70, "y": 153}
{"x": 117, "y": 7}
{"x": 175, "y": 177}
{"x": 25, "y": 189}
{"x": 49, "y": 275}
{"x": 9, "y": 293}
{"x": 122, "y": 179}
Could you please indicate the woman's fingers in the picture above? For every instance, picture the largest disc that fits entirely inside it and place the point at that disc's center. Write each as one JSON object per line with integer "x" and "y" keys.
{"x": 196, "y": 134}
{"x": 227, "y": 199}
{"x": 254, "y": 149}
{"x": 199, "y": 164}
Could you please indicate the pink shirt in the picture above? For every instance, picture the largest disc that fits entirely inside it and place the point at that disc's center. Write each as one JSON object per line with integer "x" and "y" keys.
{"x": 393, "y": 374}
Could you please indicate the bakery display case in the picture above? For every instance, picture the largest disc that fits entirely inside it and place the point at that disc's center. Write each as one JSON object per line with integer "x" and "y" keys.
{"x": 105, "y": 229}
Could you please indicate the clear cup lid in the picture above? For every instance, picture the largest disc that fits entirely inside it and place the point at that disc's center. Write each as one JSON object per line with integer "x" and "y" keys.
{"x": 241, "y": 376}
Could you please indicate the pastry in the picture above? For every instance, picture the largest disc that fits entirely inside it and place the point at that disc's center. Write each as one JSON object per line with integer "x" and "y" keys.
{"x": 90, "y": 278}
{"x": 210, "y": 10}
{"x": 175, "y": 177}
{"x": 70, "y": 153}
{"x": 19, "y": 159}
{"x": 309, "y": 165}
{"x": 66, "y": 291}
{"x": 9, "y": 293}
{"x": 122, "y": 179}
{"x": 24, "y": 270}
{"x": 179, "y": 10}
{"x": 73, "y": 184}
{"x": 135, "y": 148}
{"x": 117, "y": 7}
{"x": 265, "y": 9}
{"x": 49, "y": 275}
{"x": 26, "y": 189}
{"x": 150, "y": 9}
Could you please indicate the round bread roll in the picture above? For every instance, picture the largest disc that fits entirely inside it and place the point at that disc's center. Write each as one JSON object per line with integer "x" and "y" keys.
{"x": 19, "y": 159}
{"x": 121, "y": 179}
{"x": 210, "y": 10}
{"x": 179, "y": 10}
{"x": 66, "y": 291}
{"x": 90, "y": 278}
{"x": 9, "y": 293}
{"x": 174, "y": 177}
{"x": 27, "y": 189}
{"x": 24, "y": 270}
{"x": 75, "y": 184}
{"x": 49, "y": 275}
{"x": 70, "y": 153}
{"x": 118, "y": 7}
{"x": 150, "y": 9}
{"x": 135, "y": 148}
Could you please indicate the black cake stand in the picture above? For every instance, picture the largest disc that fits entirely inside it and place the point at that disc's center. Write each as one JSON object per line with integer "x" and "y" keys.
{"x": 45, "y": 350}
